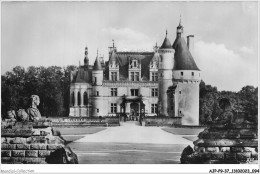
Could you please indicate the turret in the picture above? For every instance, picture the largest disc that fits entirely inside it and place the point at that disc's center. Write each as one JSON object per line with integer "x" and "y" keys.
{"x": 179, "y": 29}
{"x": 86, "y": 60}
{"x": 97, "y": 92}
{"x": 166, "y": 62}
{"x": 97, "y": 72}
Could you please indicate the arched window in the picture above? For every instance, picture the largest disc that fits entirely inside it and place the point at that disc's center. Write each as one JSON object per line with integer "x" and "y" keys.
{"x": 79, "y": 101}
{"x": 72, "y": 99}
{"x": 85, "y": 98}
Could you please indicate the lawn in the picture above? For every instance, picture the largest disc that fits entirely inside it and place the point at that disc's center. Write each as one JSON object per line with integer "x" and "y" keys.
{"x": 79, "y": 131}
{"x": 73, "y": 134}
{"x": 183, "y": 131}
{"x": 190, "y": 137}
{"x": 187, "y": 133}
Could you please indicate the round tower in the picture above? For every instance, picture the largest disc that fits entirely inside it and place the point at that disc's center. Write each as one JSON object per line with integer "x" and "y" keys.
{"x": 97, "y": 73}
{"x": 97, "y": 93}
{"x": 166, "y": 62}
{"x": 186, "y": 79}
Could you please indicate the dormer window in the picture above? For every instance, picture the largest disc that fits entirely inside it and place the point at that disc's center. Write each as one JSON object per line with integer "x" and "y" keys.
{"x": 134, "y": 76}
{"x": 154, "y": 76}
{"x": 114, "y": 76}
{"x": 135, "y": 64}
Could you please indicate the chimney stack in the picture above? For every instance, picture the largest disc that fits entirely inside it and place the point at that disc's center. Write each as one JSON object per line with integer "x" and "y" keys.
{"x": 190, "y": 43}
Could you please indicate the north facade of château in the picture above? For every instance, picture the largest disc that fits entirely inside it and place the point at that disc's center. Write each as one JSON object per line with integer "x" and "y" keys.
{"x": 164, "y": 82}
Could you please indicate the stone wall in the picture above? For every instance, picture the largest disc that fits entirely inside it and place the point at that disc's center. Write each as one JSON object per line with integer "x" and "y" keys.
{"x": 85, "y": 122}
{"x": 162, "y": 121}
{"x": 224, "y": 143}
{"x": 33, "y": 143}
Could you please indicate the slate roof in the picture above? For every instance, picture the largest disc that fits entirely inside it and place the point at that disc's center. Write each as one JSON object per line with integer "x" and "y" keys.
{"x": 82, "y": 75}
{"x": 97, "y": 65}
{"x": 113, "y": 57}
{"x": 183, "y": 58}
{"x": 123, "y": 59}
{"x": 166, "y": 44}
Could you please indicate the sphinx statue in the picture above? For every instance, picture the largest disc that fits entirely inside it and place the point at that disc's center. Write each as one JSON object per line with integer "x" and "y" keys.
{"x": 33, "y": 112}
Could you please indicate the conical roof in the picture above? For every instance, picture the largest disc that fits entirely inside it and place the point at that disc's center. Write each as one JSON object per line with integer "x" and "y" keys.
{"x": 182, "y": 56}
{"x": 155, "y": 57}
{"x": 97, "y": 65}
{"x": 166, "y": 44}
{"x": 113, "y": 57}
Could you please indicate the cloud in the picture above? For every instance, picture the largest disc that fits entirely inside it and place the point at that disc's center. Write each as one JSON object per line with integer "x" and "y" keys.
{"x": 129, "y": 39}
{"x": 247, "y": 50}
{"x": 249, "y": 8}
{"x": 223, "y": 67}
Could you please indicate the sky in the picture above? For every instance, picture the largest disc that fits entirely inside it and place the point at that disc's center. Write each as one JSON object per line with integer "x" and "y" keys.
{"x": 56, "y": 33}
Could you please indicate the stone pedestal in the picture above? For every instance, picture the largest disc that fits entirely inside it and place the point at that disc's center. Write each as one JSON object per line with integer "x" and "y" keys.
{"x": 33, "y": 143}
{"x": 224, "y": 143}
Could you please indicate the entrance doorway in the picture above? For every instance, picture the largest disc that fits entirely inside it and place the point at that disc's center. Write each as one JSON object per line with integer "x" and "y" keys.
{"x": 134, "y": 111}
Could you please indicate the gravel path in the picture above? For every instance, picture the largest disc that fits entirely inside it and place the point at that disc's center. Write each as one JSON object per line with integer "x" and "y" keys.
{"x": 130, "y": 132}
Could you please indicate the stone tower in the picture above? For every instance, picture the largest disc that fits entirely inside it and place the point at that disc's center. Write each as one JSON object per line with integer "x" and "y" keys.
{"x": 166, "y": 62}
{"x": 97, "y": 93}
{"x": 186, "y": 77}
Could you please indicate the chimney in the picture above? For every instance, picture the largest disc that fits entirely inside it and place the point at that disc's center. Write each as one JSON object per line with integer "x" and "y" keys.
{"x": 190, "y": 43}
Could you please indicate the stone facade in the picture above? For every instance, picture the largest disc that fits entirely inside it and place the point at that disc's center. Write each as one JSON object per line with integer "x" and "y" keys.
{"x": 167, "y": 81}
{"x": 33, "y": 143}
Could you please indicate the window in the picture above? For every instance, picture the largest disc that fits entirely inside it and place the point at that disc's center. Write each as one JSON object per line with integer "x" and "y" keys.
{"x": 154, "y": 76}
{"x": 132, "y": 76}
{"x": 154, "y": 92}
{"x": 136, "y": 76}
{"x": 97, "y": 110}
{"x": 113, "y": 91}
{"x": 114, "y": 76}
{"x": 72, "y": 99}
{"x": 134, "y": 92}
{"x": 179, "y": 92}
{"x": 192, "y": 73}
{"x": 97, "y": 93}
{"x": 113, "y": 108}
{"x": 154, "y": 108}
{"x": 134, "y": 63}
{"x": 182, "y": 73}
{"x": 85, "y": 98}
{"x": 79, "y": 100}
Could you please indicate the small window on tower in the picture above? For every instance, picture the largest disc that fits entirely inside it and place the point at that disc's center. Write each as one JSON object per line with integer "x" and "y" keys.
{"x": 180, "y": 112}
{"x": 192, "y": 73}
{"x": 97, "y": 110}
{"x": 97, "y": 93}
{"x": 182, "y": 73}
{"x": 179, "y": 92}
